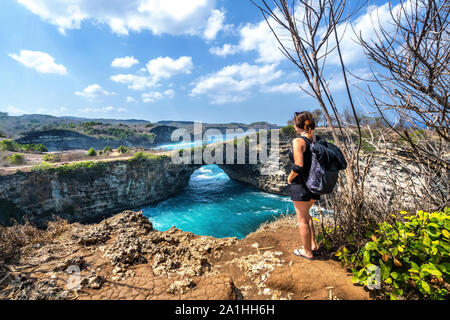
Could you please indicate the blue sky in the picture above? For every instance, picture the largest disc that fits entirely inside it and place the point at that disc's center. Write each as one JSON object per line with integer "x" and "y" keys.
{"x": 201, "y": 60}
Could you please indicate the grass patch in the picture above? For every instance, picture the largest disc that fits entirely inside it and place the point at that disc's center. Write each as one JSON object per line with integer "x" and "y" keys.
{"x": 44, "y": 166}
{"x": 15, "y": 159}
{"x": 73, "y": 168}
{"x": 142, "y": 156}
{"x": 87, "y": 169}
{"x": 51, "y": 157}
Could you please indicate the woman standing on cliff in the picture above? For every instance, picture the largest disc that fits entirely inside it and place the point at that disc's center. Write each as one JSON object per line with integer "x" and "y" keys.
{"x": 300, "y": 156}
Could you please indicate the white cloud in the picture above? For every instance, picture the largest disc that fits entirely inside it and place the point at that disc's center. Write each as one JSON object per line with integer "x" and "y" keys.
{"x": 259, "y": 38}
{"x": 93, "y": 91}
{"x": 41, "y": 61}
{"x": 234, "y": 83}
{"x": 125, "y": 62}
{"x": 225, "y": 50}
{"x": 156, "y": 95}
{"x": 215, "y": 24}
{"x": 134, "y": 82}
{"x": 131, "y": 100}
{"x": 173, "y": 17}
{"x": 286, "y": 87}
{"x": 364, "y": 25}
{"x": 157, "y": 69}
{"x": 255, "y": 37}
{"x": 165, "y": 68}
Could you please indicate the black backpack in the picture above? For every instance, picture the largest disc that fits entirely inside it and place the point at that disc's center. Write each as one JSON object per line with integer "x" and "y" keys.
{"x": 326, "y": 162}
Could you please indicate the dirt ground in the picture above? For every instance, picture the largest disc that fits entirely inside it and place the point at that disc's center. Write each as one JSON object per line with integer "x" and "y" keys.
{"x": 124, "y": 258}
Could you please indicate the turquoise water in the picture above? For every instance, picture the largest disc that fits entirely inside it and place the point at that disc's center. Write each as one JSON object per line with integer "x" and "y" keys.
{"x": 197, "y": 143}
{"x": 214, "y": 205}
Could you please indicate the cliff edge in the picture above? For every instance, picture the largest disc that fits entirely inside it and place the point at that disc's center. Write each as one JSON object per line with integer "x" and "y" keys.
{"x": 125, "y": 258}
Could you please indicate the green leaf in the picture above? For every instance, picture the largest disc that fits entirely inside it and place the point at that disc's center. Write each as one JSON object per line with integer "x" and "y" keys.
{"x": 370, "y": 246}
{"x": 426, "y": 287}
{"x": 397, "y": 292}
{"x": 366, "y": 258}
{"x": 384, "y": 271}
{"x": 433, "y": 230}
{"x": 447, "y": 224}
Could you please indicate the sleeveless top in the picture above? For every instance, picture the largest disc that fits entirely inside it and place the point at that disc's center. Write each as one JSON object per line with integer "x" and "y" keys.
{"x": 307, "y": 155}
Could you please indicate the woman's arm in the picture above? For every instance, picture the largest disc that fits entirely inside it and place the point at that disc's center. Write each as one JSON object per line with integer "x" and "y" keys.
{"x": 299, "y": 146}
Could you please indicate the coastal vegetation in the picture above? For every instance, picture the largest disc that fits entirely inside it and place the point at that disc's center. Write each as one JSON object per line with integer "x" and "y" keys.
{"x": 411, "y": 253}
{"x": 107, "y": 149}
{"x": 15, "y": 159}
{"x": 10, "y": 145}
{"x": 142, "y": 156}
{"x": 71, "y": 169}
{"x": 92, "y": 152}
{"x": 123, "y": 150}
{"x": 51, "y": 157}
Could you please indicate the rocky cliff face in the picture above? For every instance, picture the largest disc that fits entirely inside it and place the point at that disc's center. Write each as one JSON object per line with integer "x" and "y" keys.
{"x": 59, "y": 140}
{"x": 90, "y": 192}
{"x": 163, "y": 134}
{"x": 270, "y": 176}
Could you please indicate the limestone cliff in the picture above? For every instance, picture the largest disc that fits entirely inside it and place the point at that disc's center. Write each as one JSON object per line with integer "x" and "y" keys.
{"x": 89, "y": 191}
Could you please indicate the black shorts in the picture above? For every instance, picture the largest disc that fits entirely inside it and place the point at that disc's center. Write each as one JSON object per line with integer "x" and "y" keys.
{"x": 298, "y": 192}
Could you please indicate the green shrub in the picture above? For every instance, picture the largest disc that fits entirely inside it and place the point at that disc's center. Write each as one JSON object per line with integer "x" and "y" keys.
{"x": 88, "y": 168}
{"x": 141, "y": 156}
{"x": 92, "y": 152}
{"x": 9, "y": 145}
{"x": 148, "y": 136}
{"x": 44, "y": 166}
{"x": 16, "y": 159}
{"x": 107, "y": 149}
{"x": 288, "y": 130}
{"x": 33, "y": 147}
{"x": 51, "y": 157}
{"x": 412, "y": 255}
{"x": 123, "y": 149}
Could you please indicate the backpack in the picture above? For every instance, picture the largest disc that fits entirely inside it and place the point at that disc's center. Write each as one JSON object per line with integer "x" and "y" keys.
{"x": 326, "y": 162}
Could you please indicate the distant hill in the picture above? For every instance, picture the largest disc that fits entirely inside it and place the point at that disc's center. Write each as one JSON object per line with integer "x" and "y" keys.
{"x": 16, "y": 126}
{"x": 72, "y": 133}
{"x": 254, "y": 125}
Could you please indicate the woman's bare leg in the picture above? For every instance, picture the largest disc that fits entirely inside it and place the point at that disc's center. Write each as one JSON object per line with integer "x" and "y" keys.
{"x": 314, "y": 245}
{"x": 302, "y": 209}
